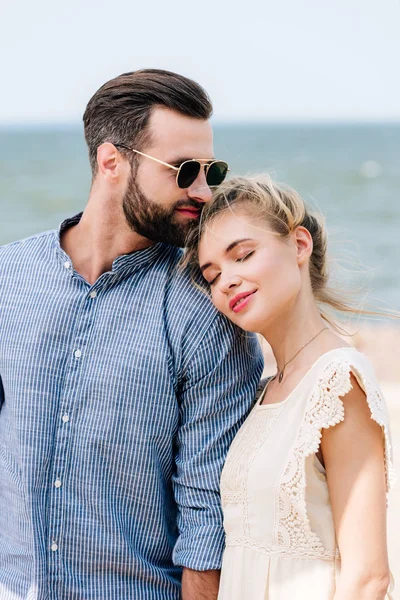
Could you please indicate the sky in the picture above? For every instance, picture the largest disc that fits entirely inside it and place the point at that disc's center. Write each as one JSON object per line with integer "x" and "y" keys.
{"x": 260, "y": 60}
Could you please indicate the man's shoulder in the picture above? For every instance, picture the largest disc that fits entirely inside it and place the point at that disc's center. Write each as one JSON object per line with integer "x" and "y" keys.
{"x": 24, "y": 247}
{"x": 187, "y": 290}
{"x": 20, "y": 259}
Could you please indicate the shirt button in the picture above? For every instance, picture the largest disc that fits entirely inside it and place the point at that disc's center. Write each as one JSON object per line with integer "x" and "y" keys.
{"x": 67, "y": 264}
{"x": 93, "y": 294}
{"x": 78, "y": 353}
{"x": 57, "y": 483}
{"x": 54, "y": 547}
{"x": 65, "y": 418}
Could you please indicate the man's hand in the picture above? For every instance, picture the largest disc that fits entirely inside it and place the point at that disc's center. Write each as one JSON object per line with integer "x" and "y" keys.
{"x": 200, "y": 585}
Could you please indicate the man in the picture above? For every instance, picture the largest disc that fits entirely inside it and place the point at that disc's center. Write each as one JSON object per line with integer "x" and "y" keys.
{"x": 121, "y": 388}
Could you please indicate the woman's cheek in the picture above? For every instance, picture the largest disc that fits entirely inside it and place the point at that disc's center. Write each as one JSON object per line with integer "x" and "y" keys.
{"x": 217, "y": 300}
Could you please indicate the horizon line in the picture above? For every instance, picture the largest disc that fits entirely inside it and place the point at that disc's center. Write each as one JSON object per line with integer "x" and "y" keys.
{"x": 218, "y": 122}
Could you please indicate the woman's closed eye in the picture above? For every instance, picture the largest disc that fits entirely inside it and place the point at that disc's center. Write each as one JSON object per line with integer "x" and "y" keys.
{"x": 214, "y": 280}
{"x": 241, "y": 259}
{"x": 245, "y": 257}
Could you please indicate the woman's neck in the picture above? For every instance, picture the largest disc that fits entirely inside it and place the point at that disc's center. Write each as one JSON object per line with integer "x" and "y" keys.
{"x": 300, "y": 336}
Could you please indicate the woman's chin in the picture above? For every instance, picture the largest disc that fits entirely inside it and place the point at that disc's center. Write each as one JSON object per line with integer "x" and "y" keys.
{"x": 249, "y": 324}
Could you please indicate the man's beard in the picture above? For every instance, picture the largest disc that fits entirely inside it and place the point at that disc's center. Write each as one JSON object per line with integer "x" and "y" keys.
{"x": 153, "y": 221}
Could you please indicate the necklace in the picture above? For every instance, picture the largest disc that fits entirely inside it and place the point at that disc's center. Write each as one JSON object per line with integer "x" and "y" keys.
{"x": 282, "y": 371}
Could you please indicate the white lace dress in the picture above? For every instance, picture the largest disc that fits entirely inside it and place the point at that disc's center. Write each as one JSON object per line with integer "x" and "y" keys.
{"x": 280, "y": 537}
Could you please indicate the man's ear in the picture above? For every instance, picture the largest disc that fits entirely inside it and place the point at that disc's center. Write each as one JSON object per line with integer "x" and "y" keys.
{"x": 110, "y": 162}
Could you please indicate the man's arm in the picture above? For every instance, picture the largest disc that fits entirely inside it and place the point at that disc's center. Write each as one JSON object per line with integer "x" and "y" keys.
{"x": 200, "y": 585}
{"x": 217, "y": 390}
{"x": 1, "y": 393}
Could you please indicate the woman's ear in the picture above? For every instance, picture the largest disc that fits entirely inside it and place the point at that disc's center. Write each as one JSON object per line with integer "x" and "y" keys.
{"x": 304, "y": 244}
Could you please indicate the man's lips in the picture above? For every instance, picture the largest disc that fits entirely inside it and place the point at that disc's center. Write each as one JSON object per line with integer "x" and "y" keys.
{"x": 241, "y": 300}
{"x": 189, "y": 212}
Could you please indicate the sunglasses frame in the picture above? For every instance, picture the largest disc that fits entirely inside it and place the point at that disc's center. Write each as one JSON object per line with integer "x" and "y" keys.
{"x": 178, "y": 169}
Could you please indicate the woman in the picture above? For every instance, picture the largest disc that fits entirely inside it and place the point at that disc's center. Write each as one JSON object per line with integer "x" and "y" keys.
{"x": 304, "y": 484}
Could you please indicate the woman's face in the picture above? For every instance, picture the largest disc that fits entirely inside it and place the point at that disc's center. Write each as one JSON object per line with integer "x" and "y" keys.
{"x": 255, "y": 276}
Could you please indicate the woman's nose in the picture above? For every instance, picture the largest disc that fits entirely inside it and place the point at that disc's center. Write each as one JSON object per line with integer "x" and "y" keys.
{"x": 230, "y": 282}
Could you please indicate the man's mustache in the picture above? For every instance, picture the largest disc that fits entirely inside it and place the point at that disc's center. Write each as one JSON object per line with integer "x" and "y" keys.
{"x": 189, "y": 203}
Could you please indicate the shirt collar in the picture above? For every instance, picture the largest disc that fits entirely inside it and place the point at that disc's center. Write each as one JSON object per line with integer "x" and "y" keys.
{"x": 125, "y": 262}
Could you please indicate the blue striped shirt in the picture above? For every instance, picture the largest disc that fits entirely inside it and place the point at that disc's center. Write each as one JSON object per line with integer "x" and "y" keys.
{"x": 118, "y": 402}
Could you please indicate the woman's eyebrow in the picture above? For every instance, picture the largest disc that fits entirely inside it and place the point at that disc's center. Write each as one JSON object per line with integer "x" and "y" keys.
{"x": 204, "y": 267}
{"x": 227, "y": 250}
{"x": 236, "y": 243}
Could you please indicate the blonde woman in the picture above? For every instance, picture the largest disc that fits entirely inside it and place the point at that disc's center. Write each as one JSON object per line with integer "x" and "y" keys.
{"x": 305, "y": 482}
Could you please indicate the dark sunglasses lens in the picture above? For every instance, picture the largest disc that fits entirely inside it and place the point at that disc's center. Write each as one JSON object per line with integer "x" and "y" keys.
{"x": 217, "y": 172}
{"x": 188, "y": 173}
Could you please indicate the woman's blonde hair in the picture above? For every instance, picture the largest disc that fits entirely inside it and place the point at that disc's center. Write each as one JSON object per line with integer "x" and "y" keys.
{"x": 284, "y": 210}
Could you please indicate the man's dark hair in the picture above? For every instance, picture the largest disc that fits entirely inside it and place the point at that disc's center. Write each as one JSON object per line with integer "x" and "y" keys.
{"x": 119, "y": 111}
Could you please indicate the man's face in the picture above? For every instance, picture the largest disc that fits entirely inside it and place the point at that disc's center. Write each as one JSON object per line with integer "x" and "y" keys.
{"x": 154, "y": 206}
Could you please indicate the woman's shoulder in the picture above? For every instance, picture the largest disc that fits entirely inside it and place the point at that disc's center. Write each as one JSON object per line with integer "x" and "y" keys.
{"x": 344, "y": 361}
{"x": 334, "y": 375}
{"x": 345, "y": 353}
{"x": 334, "y": 379}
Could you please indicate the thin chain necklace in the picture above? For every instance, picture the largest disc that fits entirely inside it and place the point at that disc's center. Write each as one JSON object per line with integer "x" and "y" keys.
{"x": 281, "y": 372}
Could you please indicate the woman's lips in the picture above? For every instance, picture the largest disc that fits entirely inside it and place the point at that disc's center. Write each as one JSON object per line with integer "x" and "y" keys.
{"x": 241, "y": 300}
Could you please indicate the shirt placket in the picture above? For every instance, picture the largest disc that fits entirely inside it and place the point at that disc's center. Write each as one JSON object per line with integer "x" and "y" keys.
{"x": 73, "y": 386}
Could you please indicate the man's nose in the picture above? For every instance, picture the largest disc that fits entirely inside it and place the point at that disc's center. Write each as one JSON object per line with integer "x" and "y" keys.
{"x": 200, "y": 190}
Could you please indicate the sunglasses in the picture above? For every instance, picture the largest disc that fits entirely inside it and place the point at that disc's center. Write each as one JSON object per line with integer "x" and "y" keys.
{"x": 187, "y": 172}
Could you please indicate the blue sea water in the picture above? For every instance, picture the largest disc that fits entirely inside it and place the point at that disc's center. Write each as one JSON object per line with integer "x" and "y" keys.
{"x": 351, "y": 172}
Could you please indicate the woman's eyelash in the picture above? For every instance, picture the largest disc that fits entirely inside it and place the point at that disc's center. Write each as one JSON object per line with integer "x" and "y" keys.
{"x": 243, "y": 258}
{"x": 214, "y": 280}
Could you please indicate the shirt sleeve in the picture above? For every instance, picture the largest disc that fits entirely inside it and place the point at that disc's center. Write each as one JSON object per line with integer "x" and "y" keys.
{"x": 216, "y": 394}
{"x": 1, "y": 394}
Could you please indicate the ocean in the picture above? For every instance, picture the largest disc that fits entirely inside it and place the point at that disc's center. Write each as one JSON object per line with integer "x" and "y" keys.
{"x": 350, "y": 172}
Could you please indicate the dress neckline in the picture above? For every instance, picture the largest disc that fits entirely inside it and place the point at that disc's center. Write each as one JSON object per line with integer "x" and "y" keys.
{"x": 275, "y": 405}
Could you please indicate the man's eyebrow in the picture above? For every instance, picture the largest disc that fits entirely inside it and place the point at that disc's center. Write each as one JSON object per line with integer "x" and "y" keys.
{"x": 228, "y": 249}
{"x": 181, "y": 159}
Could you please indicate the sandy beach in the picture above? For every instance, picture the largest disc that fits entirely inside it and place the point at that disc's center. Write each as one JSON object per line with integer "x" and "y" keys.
{"x": 381, "y": 343}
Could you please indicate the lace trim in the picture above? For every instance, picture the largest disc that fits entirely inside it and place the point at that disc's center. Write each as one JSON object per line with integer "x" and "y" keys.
{"x": 325, "y": 409}
{"x": 241, "y": 453}
{"x": 234, "y": 497}
{"x": 273, "y": 550}
{"x": 240, "y": 458}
